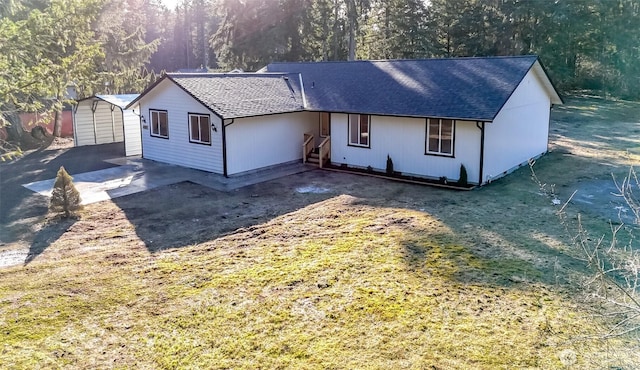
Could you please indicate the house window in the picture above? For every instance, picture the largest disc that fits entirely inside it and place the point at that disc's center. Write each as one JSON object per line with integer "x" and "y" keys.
{"x": 199, "y": 128}
{"x": 359, "y": 127}
{"x": 159, "y": 123}
{"x": 440, "y": 136}
{"x": 325, "y": 124}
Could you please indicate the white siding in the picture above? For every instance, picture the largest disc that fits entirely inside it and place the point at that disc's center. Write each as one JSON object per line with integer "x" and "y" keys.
{"x": 132, "y": 139}
{"x": 177, "y": 149}
{"x": 108, "y": 124}
{"x": 83, "y": 121}
{"x": 520, "y": 131}
{"x": 404, "y": 140}
{"x": 109, "y": 127}
{"x": 263, "y": 141}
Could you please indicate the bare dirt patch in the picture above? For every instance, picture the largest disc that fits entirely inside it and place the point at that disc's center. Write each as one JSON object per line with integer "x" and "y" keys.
{"x": 61, "y": 143}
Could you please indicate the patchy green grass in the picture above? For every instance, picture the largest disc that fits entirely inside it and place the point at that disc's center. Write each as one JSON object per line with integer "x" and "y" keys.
{"x": 385, "y": 288}
{"x": 371, "y": 274}
{"x": 338, "y": 284}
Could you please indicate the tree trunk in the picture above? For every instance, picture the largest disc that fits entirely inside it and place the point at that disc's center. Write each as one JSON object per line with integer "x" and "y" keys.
{"x": 187, "y": 32}
{"x": 57, "y": 124}
{"x": 335, "y": 30}
{"x": 387, "y": 32}
{"x": 15, "y": 130}
{"x": 351, "y": 9}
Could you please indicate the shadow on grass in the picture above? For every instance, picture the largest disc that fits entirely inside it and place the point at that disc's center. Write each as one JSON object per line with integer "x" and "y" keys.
{"x": 503, "y": 234}
{"x": 498, "y": 248}
{"x": 51, "y": 232}
{"x": 186, "y": 213}
{"x": 463, "y": 264}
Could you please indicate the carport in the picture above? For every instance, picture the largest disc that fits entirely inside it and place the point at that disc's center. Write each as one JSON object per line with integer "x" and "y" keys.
{"x": 103, "y": 119}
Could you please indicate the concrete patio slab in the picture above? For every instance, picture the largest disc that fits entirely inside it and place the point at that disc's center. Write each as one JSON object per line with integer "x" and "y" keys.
{"x": 133, "y": 175}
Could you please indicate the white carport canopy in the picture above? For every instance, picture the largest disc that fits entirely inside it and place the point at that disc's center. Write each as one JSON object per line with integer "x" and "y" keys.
{"x": 102, "y": 119}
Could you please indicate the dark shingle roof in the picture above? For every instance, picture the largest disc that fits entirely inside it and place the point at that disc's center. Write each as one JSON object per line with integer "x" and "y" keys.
{"x": 467, "y": 88}
{"x": 242, "y": 94}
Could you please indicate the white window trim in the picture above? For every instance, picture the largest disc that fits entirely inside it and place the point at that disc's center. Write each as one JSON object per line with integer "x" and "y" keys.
{"x": 158, "y": 112}
{"x": 197, "y": 141}
{"x": 439, "y": 151}
{"x": 368, "y": 145}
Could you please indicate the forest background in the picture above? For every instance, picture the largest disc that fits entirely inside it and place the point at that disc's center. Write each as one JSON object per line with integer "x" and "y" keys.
{"x": 121, "y": 46}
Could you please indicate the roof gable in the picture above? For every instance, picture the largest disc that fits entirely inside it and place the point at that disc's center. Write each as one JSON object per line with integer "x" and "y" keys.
{"x": 240, "y": 95}
{"x": 464, "y": 88}
{"x": 121, "y": 100}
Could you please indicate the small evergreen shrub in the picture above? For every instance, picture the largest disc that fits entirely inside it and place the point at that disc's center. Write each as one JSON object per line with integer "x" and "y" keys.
{"x": 389, "y": 165}
{"x": 65, "y": 197}
{"x": 462, "y": 180}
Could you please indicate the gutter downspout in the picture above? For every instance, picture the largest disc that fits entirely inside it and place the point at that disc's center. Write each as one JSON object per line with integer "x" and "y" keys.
{"x": 224, "y": 147}
{"x": 73, "y": 119}
{"x": 140, "y": 118}
{"x": 480, "y": 126}
{"x": 549, "y": 128}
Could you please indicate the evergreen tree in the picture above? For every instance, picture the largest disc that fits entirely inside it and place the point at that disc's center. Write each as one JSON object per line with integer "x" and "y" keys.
{"x": 65, "y": 197}
{"x": 41, "y": 51}
{"x": 396, "y": 29}
{"x": 160, "y": 26}
{"x": 121, "y": 32}
{"x": 250, "y": 34}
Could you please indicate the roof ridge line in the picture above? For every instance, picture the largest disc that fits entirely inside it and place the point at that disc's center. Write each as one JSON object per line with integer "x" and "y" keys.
{"x": 244, "y": 74}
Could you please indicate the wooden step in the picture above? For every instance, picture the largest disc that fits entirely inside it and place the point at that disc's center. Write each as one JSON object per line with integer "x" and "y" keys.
{"x": 313, "y": 158}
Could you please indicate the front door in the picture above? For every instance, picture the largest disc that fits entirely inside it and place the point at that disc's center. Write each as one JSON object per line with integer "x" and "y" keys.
{"x": 325, "y": 126}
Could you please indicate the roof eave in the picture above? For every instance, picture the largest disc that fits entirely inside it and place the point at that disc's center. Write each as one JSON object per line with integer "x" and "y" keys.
{"x": 145, "y": 92}
{"x": 542, "y": 74}
{"x": 388, "y": 114}
{"x": 235, "y": 116}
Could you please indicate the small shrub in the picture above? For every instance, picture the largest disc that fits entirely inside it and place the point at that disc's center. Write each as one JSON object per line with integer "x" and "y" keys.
{"x": 389, "y": 165}
{"x": 65, "y": 197}
{"x": 462, "y": 180}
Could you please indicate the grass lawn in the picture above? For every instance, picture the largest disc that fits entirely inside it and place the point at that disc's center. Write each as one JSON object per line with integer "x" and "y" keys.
{"x": 361, "y": 273}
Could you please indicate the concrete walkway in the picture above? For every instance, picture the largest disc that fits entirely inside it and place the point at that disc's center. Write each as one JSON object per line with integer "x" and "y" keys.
{"x": 133, "y": 175}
